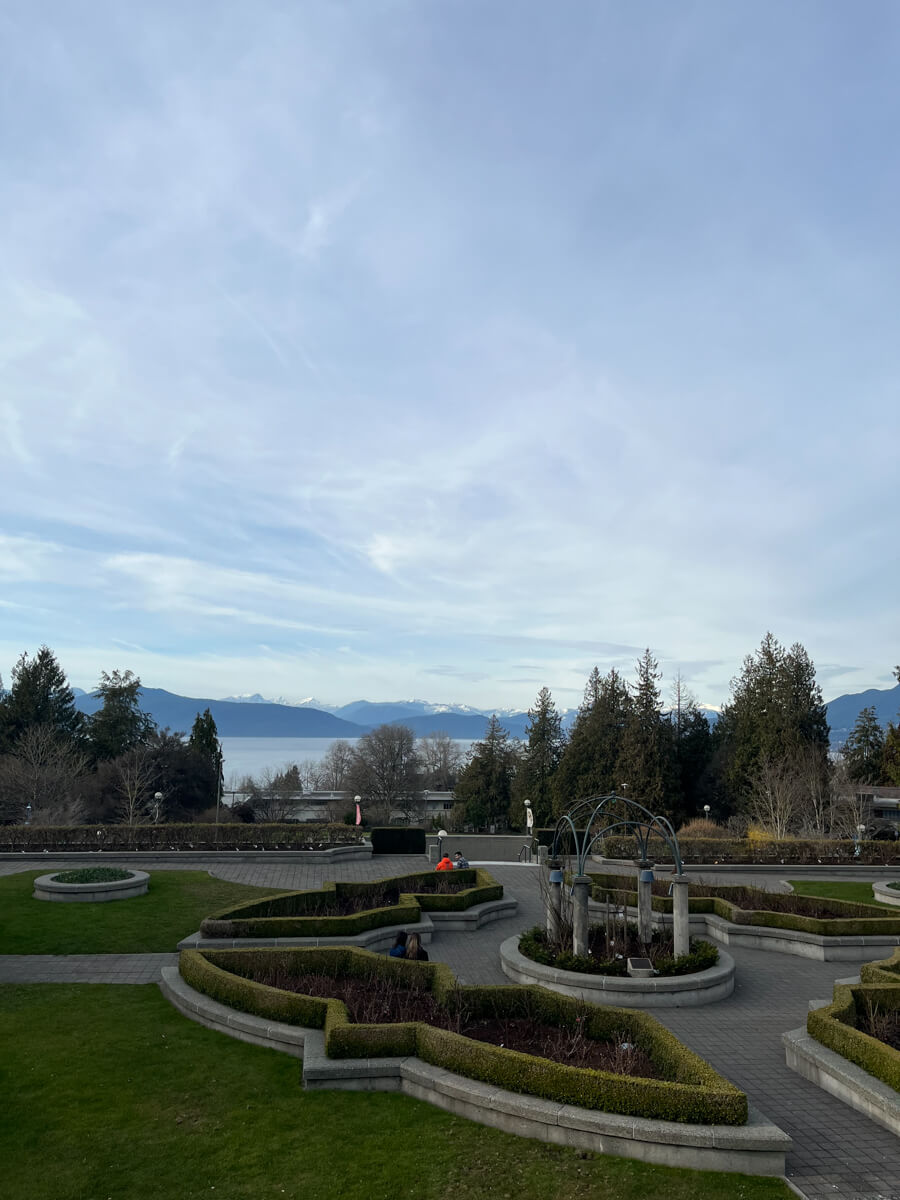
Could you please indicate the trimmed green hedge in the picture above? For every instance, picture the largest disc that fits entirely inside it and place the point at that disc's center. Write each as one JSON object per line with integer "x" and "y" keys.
{"x": 294, "y": 914}
{"x": 398, "y": 839}
{"x": 835, "y": 1027}
{"x": 534, "y": 945}
{"x": 695, "y": 1093}
{"x": 740, "y": 850}
{"x": 233, "y": 836}
{"x": 857, "y": 923}
{"x": 886, "y": 970}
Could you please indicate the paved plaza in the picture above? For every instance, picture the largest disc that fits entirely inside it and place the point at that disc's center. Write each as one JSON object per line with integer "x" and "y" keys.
{"x": 837, "y": 1152}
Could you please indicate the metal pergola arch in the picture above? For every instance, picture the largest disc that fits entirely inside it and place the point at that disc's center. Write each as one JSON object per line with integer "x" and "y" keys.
{"x": 642, "y": 825}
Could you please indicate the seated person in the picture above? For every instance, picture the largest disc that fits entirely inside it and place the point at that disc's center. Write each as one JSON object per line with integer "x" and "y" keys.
{"x": 398, "y": 950}
{"x": 415, "y": 949}
{"x": 459, "y": 860}
{"x": 445, "y": 864}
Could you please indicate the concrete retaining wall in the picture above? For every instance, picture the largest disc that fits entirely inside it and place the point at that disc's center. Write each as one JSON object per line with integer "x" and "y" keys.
{"x": 887, "y": 895}
{"x": 677, "y": 991}
{"x": 842, "y": 1078}
{"x": 47, "y": 888}
{"x": 186, "y": 858}
{"x": 781, "y": 941}
{"x": 757, "y": 1148}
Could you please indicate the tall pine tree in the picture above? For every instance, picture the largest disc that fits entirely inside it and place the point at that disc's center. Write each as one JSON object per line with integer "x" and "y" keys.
{"x": 120, "y": 724}
{"x": 539, "y": 761}
{"x": 39, "y": 694}
{"x": 204, "y": 742}
{"x": 486, "y": 781}
{"x": 863, "y": 751}
{"x": 646, "y": 762}
{"x": 588, "y": 765}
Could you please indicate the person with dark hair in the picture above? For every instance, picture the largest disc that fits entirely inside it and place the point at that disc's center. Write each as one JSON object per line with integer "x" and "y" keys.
{"x": 415, "y": 949}
{"x": 460, "y": 861}
{"x": 398, "y": 950}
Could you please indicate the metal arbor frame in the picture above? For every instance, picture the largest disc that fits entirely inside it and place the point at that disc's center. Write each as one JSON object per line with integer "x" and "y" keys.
{"x": 642, "y": 824}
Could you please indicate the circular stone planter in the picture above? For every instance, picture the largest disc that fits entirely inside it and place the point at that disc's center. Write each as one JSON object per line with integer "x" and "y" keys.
{"x": 885, "y": 893}
{"x": 672, "y": 991}
{"x": 47, "y": 888}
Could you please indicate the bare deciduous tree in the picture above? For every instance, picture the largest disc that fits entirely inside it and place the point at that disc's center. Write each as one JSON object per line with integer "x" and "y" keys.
{"x": 773, "y": 799}
{"x": 386, "y": 772}
{"x": 334, "y": 766}
{"x": 442, "y": 760}
{"x": 136, "y": 775}
{"x": 44, "y": 772}
{"x": 273, "y": 795}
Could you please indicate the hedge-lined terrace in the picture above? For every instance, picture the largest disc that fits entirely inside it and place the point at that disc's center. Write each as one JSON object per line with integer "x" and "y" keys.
{"x": 347, "y": 908}
{"x": 755, "y": 906}
{"x": 689, "y": 1089}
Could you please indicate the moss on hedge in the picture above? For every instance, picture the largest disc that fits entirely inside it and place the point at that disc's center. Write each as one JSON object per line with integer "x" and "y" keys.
{"x": 298, "y": 914}
{"x": 835, "y": 1027}
{"x": 695, "y": 1093}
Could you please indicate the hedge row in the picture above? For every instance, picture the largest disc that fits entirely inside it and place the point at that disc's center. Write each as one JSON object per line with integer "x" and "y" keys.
{"x": 709, "y": 850}
{"x": 293, "y": 914}
{"x": 231, "y": 836}
{"x": 695, "y": 1093}
{"x": 885, "y": 971}
{"x": 835, "y": 1027}
{"x": 855, "y": 924}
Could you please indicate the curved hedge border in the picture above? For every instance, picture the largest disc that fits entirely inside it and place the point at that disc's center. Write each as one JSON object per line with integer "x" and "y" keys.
{"x": 885, "y": 971}
{"x": 857, "y": 923}
{"x": 835, "y": 1027}
{"x": 293, "y": 914}
{"x": 696, "y": 1095}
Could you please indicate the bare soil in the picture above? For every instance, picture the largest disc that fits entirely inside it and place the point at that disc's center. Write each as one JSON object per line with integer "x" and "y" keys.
{"x": 376, "y": 1000}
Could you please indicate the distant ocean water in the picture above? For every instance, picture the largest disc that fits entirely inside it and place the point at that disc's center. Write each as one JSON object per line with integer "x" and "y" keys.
{"x": 249, "y": 756}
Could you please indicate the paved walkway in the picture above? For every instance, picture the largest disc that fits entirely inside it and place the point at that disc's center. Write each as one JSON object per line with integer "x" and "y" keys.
{"x": 837, "y": 1152}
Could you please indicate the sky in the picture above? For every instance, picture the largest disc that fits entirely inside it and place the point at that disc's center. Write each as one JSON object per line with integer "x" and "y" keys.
{"x": 443, "y": 349}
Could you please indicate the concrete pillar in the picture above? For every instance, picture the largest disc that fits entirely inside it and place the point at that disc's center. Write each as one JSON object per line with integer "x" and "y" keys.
{"x": 581, "y": 890}
{"x": 645, "y": 903}
{"x": 543, "y": 852}
{"x": 554, "y": 905}
{"x": 681, "y": 920}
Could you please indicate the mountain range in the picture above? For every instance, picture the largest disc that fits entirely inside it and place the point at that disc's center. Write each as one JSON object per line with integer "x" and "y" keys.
{"x": 255, "y": 716}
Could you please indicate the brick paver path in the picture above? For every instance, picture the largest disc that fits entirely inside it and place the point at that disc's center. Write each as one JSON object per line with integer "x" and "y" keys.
{"x": 837, "y": 1152}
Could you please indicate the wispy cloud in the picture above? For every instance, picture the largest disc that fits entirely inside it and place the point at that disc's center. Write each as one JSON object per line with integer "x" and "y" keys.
{"x": 345, "y": 336}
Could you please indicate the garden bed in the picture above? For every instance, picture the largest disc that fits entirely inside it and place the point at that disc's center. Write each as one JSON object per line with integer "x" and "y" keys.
{"x": 347, "y": 909}
{"x": 687, "y": 1089}
{"x": 609, "y": 956}
{"x": 851, "y": 1047}
{"x": 93, "y": 886}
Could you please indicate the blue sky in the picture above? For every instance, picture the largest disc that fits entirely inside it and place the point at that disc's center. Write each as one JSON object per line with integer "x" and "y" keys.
{"x": 445, "y": 349}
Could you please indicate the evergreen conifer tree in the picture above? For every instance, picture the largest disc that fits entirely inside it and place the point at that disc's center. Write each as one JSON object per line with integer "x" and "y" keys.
{"x": 485, "y": 783}
{"x": 539, "y": 761}
{"x": 39, "y": 694}
{"x": 588, "y": 764}
{"x": 863, "y": 751}
{"x": 646, "y": 762}
{"x": 120, "y": 724}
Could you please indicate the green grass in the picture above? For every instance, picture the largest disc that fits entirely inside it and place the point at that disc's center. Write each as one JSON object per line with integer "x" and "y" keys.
{"x": 856, "y": 890}
{"x": 174, "y": 906}
{"x": 112, "y": 1094}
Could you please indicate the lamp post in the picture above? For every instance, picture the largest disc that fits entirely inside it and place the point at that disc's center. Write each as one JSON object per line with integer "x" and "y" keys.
{"x": 158, "y": 799}
{"x": 441, "y": 834}
{"x": 860, "y": 830}
{"x": 27, "y": 814}
{"x": 706, "y": 811}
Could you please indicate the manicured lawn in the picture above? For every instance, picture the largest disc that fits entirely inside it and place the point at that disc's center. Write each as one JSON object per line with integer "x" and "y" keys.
{"x": 111, "y": 1094}
{"x": 174, "y": 906}
{"x": 856, "y": 890}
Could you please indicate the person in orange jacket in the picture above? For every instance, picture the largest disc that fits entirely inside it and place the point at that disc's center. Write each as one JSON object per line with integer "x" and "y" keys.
{"x": 446, "y": 864}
